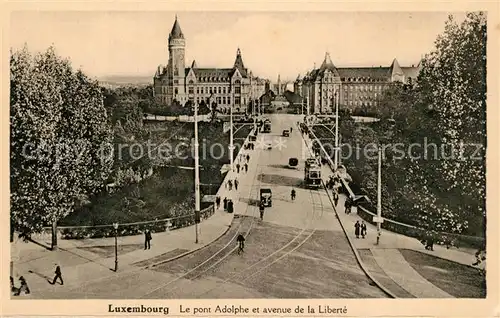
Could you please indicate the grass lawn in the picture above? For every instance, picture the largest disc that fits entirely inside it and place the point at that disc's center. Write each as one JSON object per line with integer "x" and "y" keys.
{"x": 456, "y": 279}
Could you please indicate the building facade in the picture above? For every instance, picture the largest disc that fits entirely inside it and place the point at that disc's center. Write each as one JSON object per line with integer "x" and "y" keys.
{"x": 223, "y": 86}
{"x": 354, "y": 87}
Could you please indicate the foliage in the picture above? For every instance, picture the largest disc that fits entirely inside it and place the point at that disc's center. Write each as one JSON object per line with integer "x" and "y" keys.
{"x": 59, "y": 113}
{"x": 438, "y": 185}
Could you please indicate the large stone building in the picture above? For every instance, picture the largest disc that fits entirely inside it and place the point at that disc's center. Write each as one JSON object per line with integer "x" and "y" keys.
{"x": 224, "y": 86}
{"x": 354, "y": 87}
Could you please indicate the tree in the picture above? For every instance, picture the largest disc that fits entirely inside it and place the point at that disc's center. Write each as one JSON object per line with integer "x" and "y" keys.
{"x": 60, "y": 139}
{"x": 452, "y": 83}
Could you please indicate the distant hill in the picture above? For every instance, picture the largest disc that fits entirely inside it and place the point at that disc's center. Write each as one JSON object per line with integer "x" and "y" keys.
{"x": 124, "y": 80}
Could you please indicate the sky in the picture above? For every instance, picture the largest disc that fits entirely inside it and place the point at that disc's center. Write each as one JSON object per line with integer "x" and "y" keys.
{"x": 287, "y": 43}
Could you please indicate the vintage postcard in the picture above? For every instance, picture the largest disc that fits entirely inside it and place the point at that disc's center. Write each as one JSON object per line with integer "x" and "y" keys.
{"x": 251, "y": 159}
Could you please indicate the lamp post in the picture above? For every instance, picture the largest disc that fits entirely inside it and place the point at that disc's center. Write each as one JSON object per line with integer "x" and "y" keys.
{"x": 379, "y": 195}
{"x": 231, "y": 145}
{"x": 336, "y": 163}
{"x": 196, "y": 173}
{"x": 115, "y": 226}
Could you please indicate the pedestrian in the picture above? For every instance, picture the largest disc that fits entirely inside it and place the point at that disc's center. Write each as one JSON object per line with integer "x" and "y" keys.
{"x": 248, "y": 158}
{"x": 347, "y": 205}
{"x": 147, "y": 239}
{"x": 230, "y": 206}
{"x": 335, "y": 197}
{"x": 24, "y": 287}
{"x": 12, "y": 287}
{"x": 236, "y": 182}
{"x": 261, "y": 210}
{"x": 246, "y": 167}
{"x": 230, "y": 184}
{"x": 363, "y": 229}
{"x": 217, "y": 202}
{"x": 58, "y": 275}
{"x": 357, "y": 227}
{"x": 241, "y": 243}
{"x": 225, "y": 203}
{"x": 238, "y": 168}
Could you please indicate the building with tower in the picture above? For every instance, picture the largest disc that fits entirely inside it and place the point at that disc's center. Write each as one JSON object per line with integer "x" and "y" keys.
{"x": 223, "y": 87}
{"x": 354, "y": 87}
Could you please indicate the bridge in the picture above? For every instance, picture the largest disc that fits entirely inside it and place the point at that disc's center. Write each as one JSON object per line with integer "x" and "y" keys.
{"x": 302, "y": 248}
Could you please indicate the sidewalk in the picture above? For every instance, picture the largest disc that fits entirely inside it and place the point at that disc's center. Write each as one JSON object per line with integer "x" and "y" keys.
{"x": 388, "y": 256}
{"x": 83, "y": 261}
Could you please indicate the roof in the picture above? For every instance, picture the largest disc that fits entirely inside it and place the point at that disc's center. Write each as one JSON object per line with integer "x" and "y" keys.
{"x": 382, "y": 73}
{"x": 238, "y": 63}
{"x": 176, "y": 32}
{"x": 411, "y": 71}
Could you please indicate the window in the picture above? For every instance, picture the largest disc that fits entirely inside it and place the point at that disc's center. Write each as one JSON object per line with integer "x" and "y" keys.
{"x": 237, "y": 82}
{"x": 176, "y": 82}
{"x": 176, "y": 90}
{"x": 237, "y": 101}
{"x": 191, "y": 90}
{"x": 218, "y": 100}
{"x": 224, "y": 90}
{"x": 229, "y": 100}
{"x": 224, "y": 100}
{"x": 237, "y": 90}
{"x": 197, "y": 90}
{"x": 218, "y": 89}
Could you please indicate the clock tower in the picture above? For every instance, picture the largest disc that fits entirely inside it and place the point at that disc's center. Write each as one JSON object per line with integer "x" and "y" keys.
{"x": 176, "y": 63}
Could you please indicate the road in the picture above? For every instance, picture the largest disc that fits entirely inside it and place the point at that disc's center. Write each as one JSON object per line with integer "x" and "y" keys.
{"x": 298, "y": 251}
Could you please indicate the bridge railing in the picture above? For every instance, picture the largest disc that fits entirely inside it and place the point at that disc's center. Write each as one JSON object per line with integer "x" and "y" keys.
{"x": 448, "y": 239}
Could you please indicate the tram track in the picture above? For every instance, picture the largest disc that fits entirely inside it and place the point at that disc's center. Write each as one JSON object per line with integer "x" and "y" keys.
{"x": 205, "y": 266}
{"x": 297, "y": 241}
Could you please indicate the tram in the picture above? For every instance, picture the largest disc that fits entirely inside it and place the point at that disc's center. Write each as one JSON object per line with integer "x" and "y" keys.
{"x": 312, "y": 173}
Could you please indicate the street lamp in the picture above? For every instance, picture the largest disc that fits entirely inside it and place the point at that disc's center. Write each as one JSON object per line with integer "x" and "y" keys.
{"x": 336, "y": 163}
{"x": 115, "y": 226}
{"x": 379, "y": 219}
{"x": 196, "y": 173}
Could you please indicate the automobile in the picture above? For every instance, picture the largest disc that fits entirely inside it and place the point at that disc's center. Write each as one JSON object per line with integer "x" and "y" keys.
{"x": 266, "y": 196}
{"x": 286, "y": 133}
{"x": 293, "y": 163}
{"x": 252, "y": 138}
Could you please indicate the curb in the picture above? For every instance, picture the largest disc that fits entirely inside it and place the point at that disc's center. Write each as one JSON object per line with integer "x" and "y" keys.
{"x": 355, "y": 251}
{"x": 191, "y": 251}
{"x": 230, "y": 173}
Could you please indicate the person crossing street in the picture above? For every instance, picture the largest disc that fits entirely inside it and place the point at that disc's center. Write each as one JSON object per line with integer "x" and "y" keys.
{"x": 293, "y": 194}
{"x": 241, "y": 243}
{"x": 261, "y": 210}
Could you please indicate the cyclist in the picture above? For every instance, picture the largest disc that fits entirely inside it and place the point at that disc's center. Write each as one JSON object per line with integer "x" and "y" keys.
{"x": 293, "y": 194}
{"x": 241, "y": 243}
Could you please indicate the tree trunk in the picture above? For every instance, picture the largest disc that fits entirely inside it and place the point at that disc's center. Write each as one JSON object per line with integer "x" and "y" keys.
{"x": 54, "y": 236}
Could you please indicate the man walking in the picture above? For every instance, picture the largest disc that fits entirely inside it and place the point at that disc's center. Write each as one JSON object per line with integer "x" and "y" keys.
{"x": 335, "y": 197}
{"x": 241, "y": 243}
{"x": 357, "y": 227}
{"x": 363, "y": 229}
{"x": 217, "y": 202}
{"x": 347, "y": 205}
{"x": 147, "y": 239}
{"x": 225, "y": 203}
{"x": 236, "y": 182}
{"x": 261, "y": 210}
{"x": 248, "y": 158}
{"x": 238, "y": 168}
{"x": 58, "y": 275}
{"x": 246, "y": 167}
{"x": 24, "y": 287}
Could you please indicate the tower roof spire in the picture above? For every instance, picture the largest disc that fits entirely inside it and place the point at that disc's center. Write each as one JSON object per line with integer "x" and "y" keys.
{"x": 238, "y": 63}
{"x": 176, "y": 32}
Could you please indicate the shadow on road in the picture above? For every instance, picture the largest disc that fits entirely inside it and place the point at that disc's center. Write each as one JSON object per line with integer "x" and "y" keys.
{"x": 46, "y": 245}
{"x": 250, "y": 201}
{"x": 276, "y": 179}
{"x": 280, "y": 167}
